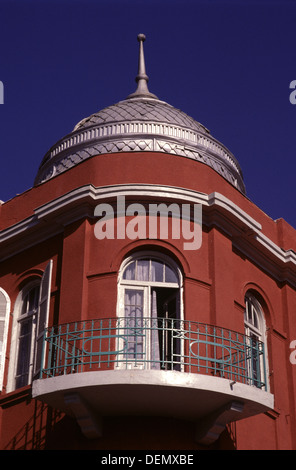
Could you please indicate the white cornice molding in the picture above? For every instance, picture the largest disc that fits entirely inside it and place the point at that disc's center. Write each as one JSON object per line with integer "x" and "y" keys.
{"x": 140, "y": 136}
{"x": 50, "y": 219}
{"x": 218, "y": 200}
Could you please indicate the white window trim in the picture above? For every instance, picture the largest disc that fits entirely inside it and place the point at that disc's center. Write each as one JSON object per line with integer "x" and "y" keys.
{"x": 16, "y": 329}
{"x": 43, "y": 304}
{"x": 146, "y": 285}
{"x": 15, "y": 335}
{"x": 261, "y": 332}
{"x": 129, "y": 364}
{"x": 151, "y": 254}
{"x": 5, "y": 334}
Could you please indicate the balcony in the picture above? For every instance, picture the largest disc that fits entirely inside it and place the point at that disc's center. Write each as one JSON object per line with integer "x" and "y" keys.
{"x": 153, "y": 366}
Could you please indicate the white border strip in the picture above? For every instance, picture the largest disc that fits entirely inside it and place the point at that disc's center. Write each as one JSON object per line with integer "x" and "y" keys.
{"x": 93, "y": 194}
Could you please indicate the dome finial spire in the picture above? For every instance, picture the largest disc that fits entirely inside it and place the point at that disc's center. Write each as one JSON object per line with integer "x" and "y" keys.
{"x": 142, "y": 78}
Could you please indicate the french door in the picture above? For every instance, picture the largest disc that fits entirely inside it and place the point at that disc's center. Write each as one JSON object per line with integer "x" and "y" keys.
{"x": 133, "y": 331}
{"x": 149, "y": 328}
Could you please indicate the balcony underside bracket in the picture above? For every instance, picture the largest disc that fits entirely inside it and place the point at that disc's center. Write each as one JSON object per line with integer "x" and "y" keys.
{"x": 90, "y": 424}
{"x": 209, "y": 428}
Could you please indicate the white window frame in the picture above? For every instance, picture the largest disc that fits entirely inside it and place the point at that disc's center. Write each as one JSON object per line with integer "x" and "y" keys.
{"x": 42, "y": 319}
{"x": 11, "y": 382}
{"x": 4, "y": 317}
{"x": 259, "y": 332}
{"x": 130, "y": 364}
{"x": 146, "y": 286}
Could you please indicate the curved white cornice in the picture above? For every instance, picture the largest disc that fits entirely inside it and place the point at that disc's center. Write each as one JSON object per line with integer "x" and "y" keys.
{"x": 245, "y": 232}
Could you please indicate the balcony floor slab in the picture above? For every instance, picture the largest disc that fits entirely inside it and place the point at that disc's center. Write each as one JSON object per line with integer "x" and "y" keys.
{"x": 181, "y": 395}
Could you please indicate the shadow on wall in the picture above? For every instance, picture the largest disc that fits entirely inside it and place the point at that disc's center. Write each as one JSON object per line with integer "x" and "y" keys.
{"x": 33, "y": 435}
{"x": 50, "y": 429}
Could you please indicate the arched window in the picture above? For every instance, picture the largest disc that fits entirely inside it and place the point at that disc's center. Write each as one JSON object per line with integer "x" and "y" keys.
{"x": 4, "y": 319}
{"x": 27, "y": 330}
{"x": 150, "y": 311}
{"x": 30, "y": 320}
{"x": 255, "y": 333}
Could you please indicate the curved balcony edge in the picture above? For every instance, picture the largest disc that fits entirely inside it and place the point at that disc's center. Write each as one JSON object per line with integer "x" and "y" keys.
{"x": 203, "y": 399}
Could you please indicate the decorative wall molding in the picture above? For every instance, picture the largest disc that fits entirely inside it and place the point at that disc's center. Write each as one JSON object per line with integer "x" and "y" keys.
{"x": 245, "y": 232}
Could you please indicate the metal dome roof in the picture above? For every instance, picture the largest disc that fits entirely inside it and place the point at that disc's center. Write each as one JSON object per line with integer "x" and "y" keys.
{"x": 140, "y": 123}
{"x": 141, "y": 109}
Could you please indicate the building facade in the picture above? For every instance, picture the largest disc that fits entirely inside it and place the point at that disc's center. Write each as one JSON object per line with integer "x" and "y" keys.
{"x": 145, "y": 301}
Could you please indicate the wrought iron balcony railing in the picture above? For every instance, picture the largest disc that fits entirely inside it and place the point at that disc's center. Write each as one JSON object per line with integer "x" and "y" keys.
{"x": 153, "y": 343}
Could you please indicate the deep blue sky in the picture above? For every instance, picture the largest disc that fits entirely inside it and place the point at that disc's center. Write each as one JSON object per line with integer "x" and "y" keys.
{"x": 228, "y": 64}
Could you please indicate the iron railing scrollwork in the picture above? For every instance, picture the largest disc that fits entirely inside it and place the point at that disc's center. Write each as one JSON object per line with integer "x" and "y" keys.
{"x": 153, "y": 343}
